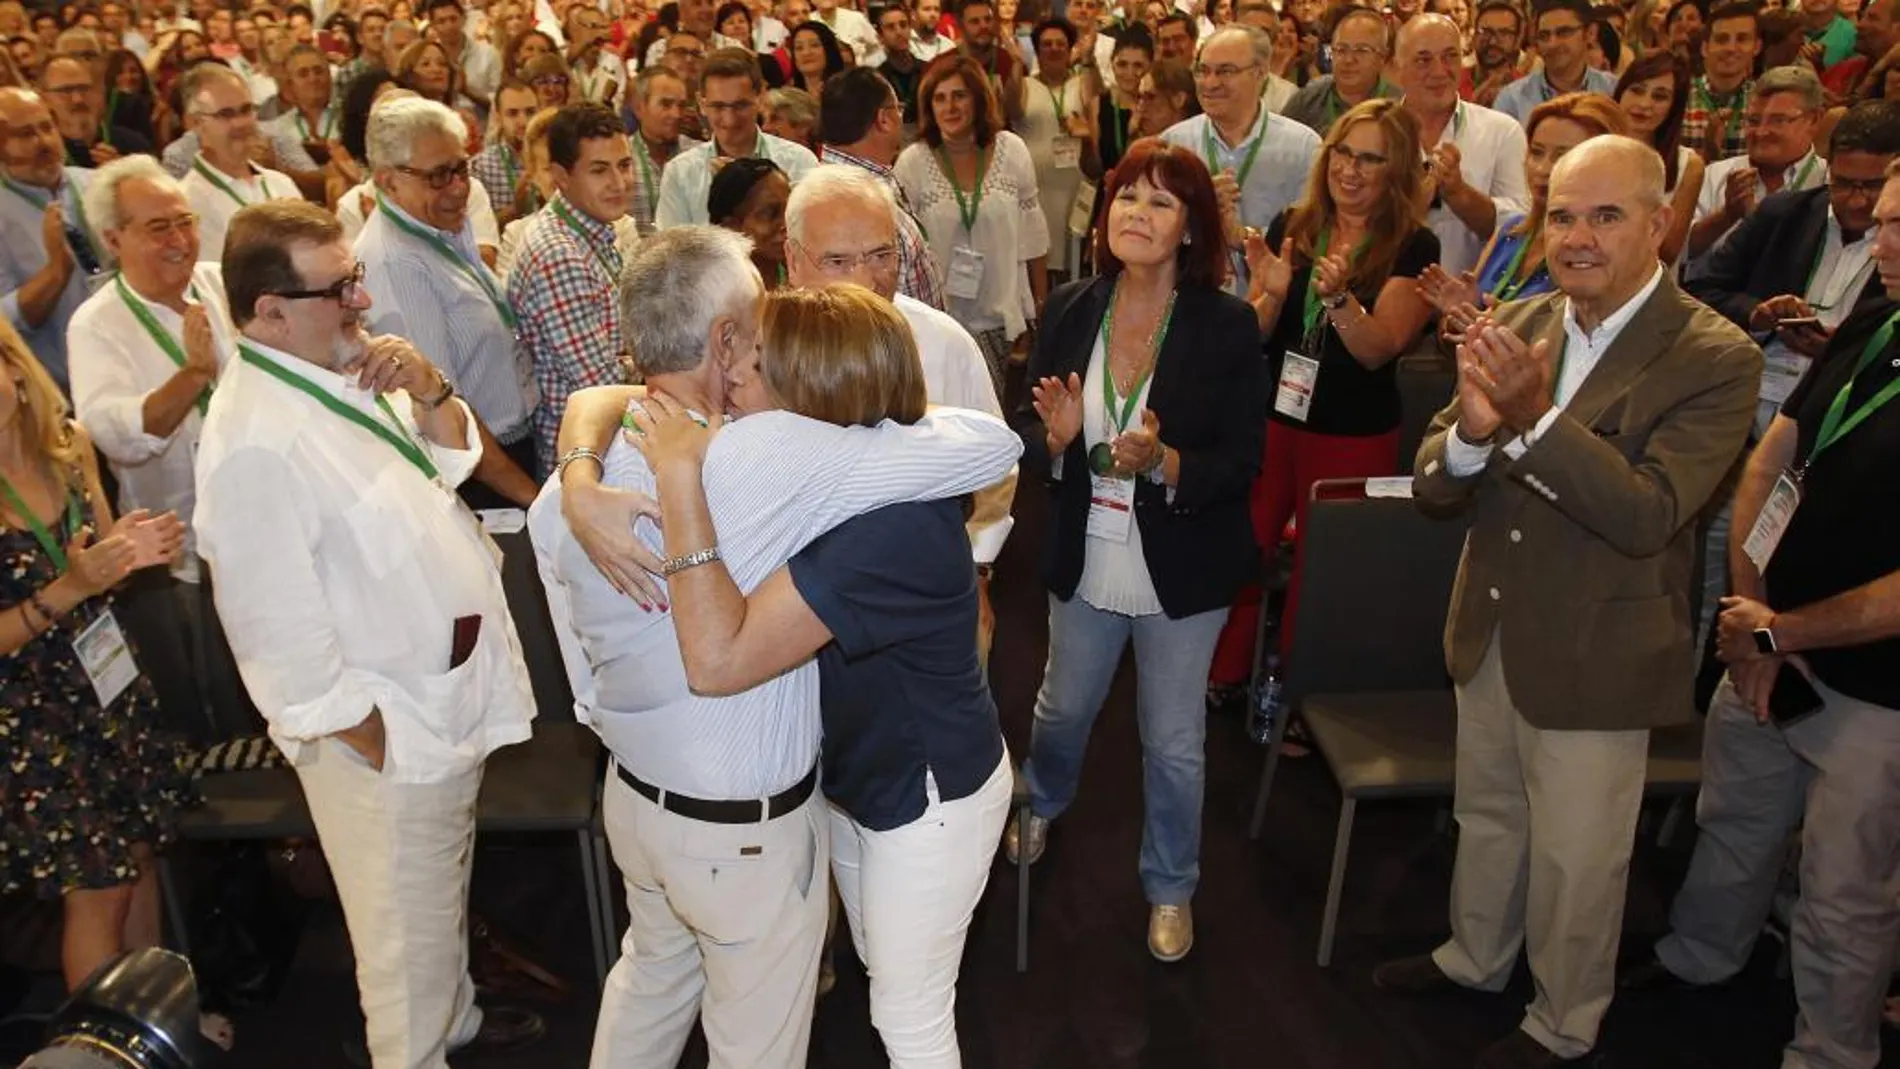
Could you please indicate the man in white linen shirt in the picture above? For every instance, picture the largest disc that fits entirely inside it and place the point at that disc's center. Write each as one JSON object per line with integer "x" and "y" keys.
{"x": 701, "y": 784}
{"x": 146, "y": 350}
{"x": 365, "y": 608}
{"x": 429, "y": 285}
{"x": 1568, "y": 637}
{"x": 841, "y": 226}
{"x": 1475, "y": 155}
{"x": 729, "y": 88}
{"x": 222, "y": 177}
{"x": 1778, "y": 127}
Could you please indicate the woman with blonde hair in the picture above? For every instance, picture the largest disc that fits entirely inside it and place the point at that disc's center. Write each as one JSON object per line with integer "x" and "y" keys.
{"x": 1334, "y": 282}
{"x": 1512, "y": 264}
{"x": 88, "y": 788}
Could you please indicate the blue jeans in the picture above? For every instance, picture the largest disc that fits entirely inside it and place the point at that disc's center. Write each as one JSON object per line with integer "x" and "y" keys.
{"x": 1171, "y": 662}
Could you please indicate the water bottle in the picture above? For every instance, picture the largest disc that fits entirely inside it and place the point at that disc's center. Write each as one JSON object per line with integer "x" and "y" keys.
{"x": 1266, "y": 707}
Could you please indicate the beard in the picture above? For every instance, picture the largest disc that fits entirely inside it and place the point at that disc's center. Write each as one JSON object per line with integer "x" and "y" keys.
{"x": 351, "y": 343}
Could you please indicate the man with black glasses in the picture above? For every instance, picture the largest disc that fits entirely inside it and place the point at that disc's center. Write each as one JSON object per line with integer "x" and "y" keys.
{"x": 1361, "y": 44}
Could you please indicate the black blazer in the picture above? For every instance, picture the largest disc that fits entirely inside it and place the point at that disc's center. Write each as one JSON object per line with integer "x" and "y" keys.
{"x": 1768, "y": 254}
{"x": 1206, "y": 392}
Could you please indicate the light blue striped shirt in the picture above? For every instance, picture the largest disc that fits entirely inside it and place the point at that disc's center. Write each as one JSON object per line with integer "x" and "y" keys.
{"x": 416, "y": 293}
{"x": 774, "y": 482}
{"x": 1519, "y": 98}
{"x": 23, "y": 255}
{"x": 1278, "y": 175}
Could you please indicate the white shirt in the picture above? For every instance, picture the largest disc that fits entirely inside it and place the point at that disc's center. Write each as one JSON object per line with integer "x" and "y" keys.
{"x": 1044, "y": 122}
{"x": 116, "y": 365}
{"x": 1114, "y": 574}
{"x": 855, "y": 32}
{"x": 927, "y": 49}
{"x": 956, "y": 375}
{"x": 1010, "y": 229}
{"x": 687, "y": 177}
{"x": 1805, "y": 173}
{"x": 481, "y": 212}
{"x": 292, "y": 124}
{"x": 1491, "y": 151}
{"x": 216, "y": 205}
{"x": 341, "y": 570}
{"x": 774, "y": 482}
{"x": 481, "y": 66}
{"x": 602, "y": 80}
{"x": 1580, "y": 355}
{"x": 1276, "y": 93}
{"x": 1839, "y": 276}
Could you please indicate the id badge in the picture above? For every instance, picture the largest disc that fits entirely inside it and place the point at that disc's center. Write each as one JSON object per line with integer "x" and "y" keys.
{"x": 1781, "y": 372}
{"x": 1066, "y": 153}
{"x": 966, "y": 273}
{"x": 1776, "y": 513}
{"x": 1111, "y": 507}
{"x": 106, "y": 658}
{"x": 1299, "y": 376}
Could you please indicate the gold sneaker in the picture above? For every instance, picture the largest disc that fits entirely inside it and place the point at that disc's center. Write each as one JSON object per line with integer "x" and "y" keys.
{"x": 1028, "y": 842}
{"x": 1170, "y": 932}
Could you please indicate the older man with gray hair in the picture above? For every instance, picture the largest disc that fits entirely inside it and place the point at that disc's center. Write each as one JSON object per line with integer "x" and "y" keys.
{"x": 1590, "y": 427}
{"x": 701, "y": 784}
{"x": 1778, "y": 127}
{"x": 423, "y": 266}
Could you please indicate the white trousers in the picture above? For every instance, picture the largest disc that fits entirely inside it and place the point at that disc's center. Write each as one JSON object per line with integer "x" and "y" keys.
{"x": 401, "y": 855}
{"x": 1840, "y": 770}
{"x": 1546, "y": 821}
{"x": 909, "y": 893}
{"x": 726, "y": 925}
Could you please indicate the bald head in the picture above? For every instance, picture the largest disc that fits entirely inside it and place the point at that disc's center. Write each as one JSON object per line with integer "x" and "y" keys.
{"x": 1430, "y": 55}
{"x": 30, "y": 146}
{"x": 1638, "y": 165}
{"x": 1430, "y": 27}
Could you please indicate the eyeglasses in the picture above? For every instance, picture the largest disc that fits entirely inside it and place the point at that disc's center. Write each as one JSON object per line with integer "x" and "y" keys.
{"x": 242, "y": 111}
{"x": 881, "y": 258}
{"x": 340, "y": 291}
{"x": 439, "y": 177}
{"x": 1558, "y": 33}
{"x": 1778, "y": 121}
{"x": 550, "y": 80}
{"x": 1356, "y": 52}
{"x": 1224, "y": 73}
{"x": 1357, "y": 161}
{"x": 1865, "y": 187}
{"x": 69, "y": 90}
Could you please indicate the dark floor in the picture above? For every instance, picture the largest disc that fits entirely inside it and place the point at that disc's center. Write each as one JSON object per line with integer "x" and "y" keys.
{"x": 1249, "y": 995}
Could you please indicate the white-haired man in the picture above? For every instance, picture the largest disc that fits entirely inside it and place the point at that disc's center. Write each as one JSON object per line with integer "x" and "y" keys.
{"x": 1590, "y": 427}
{"x": 222, "y": 179}
{"x": 701, "y": 784}
{"x": 366, "y": 611}
{"x": 146, "y": 352}
{"x": 429, "y": 284}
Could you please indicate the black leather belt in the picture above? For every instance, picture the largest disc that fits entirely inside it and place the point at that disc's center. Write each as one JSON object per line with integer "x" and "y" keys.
{"x": 750, "y": 811}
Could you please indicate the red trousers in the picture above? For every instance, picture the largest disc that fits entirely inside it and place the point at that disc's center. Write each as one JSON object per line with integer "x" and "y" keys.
{"x": 1294, "y": 460}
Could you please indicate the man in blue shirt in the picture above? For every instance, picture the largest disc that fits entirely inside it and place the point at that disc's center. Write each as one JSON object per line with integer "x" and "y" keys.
{"x": 48, "y": 254}
{"x": 1560, "y": 33}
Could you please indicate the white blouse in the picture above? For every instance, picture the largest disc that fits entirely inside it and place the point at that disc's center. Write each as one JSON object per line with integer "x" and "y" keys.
{"x": 1114, "y": 574}
{"x": 1009, "y": 230}
{"x": 1040, "y": 127}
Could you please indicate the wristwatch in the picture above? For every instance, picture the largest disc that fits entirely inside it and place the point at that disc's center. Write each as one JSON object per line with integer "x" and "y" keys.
{"x": 1765, "y": 642}
{"x": 442, "y": 397}
{"x": 1336, "y": 301}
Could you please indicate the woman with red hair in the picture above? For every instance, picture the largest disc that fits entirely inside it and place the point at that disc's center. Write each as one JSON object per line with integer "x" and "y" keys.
{"x": 1146, "y": 419}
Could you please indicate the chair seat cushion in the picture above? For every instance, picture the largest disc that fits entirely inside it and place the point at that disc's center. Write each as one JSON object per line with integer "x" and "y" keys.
{"x": 1389, "y": 744}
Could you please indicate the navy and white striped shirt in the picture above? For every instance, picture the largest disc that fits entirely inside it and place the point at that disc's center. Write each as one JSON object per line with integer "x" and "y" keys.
{"x": 775, "y": 481}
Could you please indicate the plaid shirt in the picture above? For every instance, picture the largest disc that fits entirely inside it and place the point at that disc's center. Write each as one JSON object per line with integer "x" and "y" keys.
{"x": 562, "y": 287}
{"x": 497, "y": 167}
{"x": 1702, "y": 108}
{"x": 919, "y": 275}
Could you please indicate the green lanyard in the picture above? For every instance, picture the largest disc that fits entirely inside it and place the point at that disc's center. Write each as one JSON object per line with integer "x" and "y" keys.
{"x": 1736, "y": 103}
{"x": 647, "y": 184}
{"x": 510, "y": 165}
{"x": 967, "y": 207}
{"x": 1118, "y": 128}
{"x": 1059, "y": 100}
{"x": 560, "y": 209}
{"x": 327, "y": 129}
{"x": 198, "y": 164}
{"x": 1120, "y": 418}
{"x": 1837, "y": 422}
{"x": 448, "y": 253}
{"x": 31, "y": 197}
{"x": 1509, "y": 285}
{"x": 1311, "y": 310}
{"x": 69, "y": 523}
{"x": 1806, "y": 169}
{"x": 1246, "y": 165}
{"x": 160, "y": 336}
{"x": 398, "y": 438}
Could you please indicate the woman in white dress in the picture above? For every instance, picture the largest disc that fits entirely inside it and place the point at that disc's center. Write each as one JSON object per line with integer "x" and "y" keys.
{"x": 1055, "y": 126}
{"x": 973, "y": 187}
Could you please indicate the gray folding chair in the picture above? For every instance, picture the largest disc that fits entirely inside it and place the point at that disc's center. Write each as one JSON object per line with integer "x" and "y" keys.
{"x": 1426, "y": 383}
{"x": 1366, "y": 669}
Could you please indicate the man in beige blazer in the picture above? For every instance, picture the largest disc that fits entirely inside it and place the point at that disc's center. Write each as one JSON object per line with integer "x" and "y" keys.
{"x": 1590, "y": 427}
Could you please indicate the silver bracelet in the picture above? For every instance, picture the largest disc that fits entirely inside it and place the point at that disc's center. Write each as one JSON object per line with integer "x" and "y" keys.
{"x": 672, "y": 566}
{"x": 572, "y": 455}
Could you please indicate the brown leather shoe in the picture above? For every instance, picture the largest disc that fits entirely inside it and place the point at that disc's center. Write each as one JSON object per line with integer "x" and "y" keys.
{"x": 1170, "y": 932}
{"x": 1413, "y": 976}
{"x": 506, "y": 1028}
{"x": 1519, "y": 1051}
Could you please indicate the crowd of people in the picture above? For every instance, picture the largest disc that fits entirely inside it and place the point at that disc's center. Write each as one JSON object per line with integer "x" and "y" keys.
{"x": 712, "y": 311}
